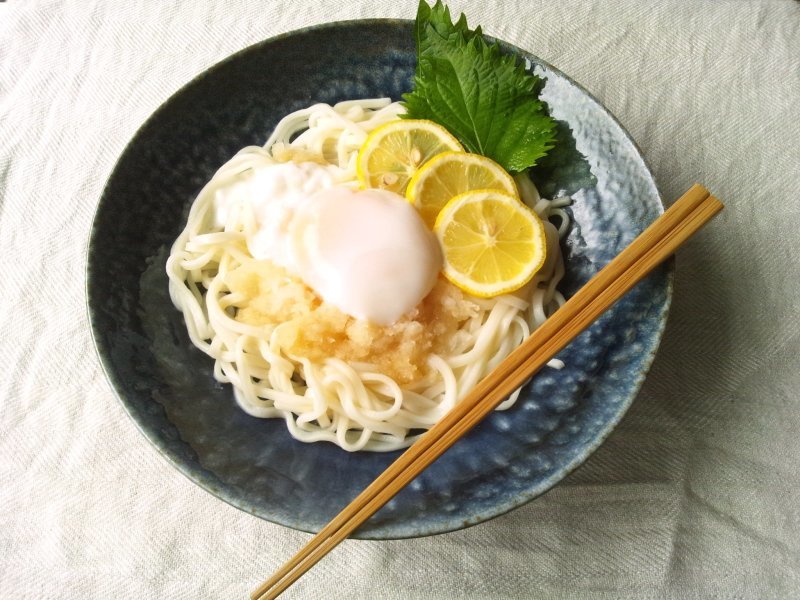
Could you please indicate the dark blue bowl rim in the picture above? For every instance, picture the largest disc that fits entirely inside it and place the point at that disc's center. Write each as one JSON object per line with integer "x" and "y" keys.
{"x": 196, "y": 474}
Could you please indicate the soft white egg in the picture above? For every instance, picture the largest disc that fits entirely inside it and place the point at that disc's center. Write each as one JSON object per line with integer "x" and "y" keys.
{"x": 367, "y": 252}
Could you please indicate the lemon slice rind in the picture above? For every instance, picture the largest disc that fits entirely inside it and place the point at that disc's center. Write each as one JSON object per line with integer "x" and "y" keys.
{"x": 449, "y": 174}
{"x": 492, "y": 243}
{"x": 392, "y": 153}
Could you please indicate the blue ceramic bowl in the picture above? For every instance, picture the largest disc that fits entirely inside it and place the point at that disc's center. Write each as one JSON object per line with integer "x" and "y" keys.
{"x": 167, "y": 386}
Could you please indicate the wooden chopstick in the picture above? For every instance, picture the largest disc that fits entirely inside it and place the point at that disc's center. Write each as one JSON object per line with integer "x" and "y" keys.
{"x": 684, "y": 218}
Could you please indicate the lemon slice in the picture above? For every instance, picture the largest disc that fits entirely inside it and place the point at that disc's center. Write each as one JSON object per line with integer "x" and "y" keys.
{"x": 451, "y": 173}
{"x": 492, "y": 243}
{"x": 392, "y": 153}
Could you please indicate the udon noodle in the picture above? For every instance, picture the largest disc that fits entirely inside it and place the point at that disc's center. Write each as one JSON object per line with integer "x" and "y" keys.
{"x": 350, "y": 404}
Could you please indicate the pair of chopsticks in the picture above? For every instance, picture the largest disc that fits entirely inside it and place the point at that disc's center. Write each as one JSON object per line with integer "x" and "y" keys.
{"x": 683, "y": 219}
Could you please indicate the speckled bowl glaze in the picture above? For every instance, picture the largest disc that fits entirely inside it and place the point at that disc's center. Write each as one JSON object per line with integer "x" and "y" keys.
{"x": 166, "y": 385}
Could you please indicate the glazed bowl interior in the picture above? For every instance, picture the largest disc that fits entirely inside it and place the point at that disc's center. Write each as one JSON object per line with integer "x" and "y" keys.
{"x": 166, "y": 384}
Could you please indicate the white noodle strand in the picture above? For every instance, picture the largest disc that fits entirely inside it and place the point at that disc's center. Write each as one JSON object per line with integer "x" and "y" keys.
{"x": 350, "y": 405}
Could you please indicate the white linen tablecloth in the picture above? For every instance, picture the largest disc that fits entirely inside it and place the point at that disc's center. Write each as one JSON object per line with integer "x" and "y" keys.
{"x": 695, "y": 495}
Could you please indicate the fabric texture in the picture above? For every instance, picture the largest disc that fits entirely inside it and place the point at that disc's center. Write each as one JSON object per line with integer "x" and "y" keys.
{"x": 695, "y": 495}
